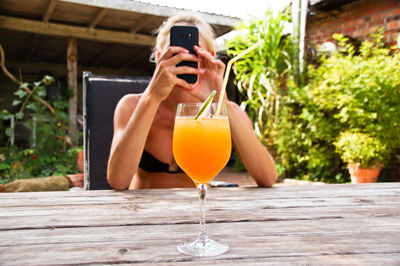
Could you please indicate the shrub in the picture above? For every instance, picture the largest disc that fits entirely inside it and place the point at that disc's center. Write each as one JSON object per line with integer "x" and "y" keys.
{"x": 360, "y": 148}
{"x": 346, "y": 92}
{"x": 52, "y": 152}
{"x": 261, "y": 74}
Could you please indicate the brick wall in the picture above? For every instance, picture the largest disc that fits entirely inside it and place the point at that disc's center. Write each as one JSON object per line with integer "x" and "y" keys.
{"x": 357, "y": 19}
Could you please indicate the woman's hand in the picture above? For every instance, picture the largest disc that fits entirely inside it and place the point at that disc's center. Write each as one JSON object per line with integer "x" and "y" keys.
{"x": 165, "y": 76}
{"x": 211, "y": 76}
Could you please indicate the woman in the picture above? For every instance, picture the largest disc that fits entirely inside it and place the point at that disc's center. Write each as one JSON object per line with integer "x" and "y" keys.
{"x": 141, "y": 151}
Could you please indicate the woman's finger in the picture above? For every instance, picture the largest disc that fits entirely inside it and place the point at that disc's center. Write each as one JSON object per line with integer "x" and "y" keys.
{"x": 220, "y": 66}
{"x": 187, "y": 70}
{"x": 203, "y": 53}
{"x": 171, "y": 51}
{"x": 182, "y": 57}
{"x": 206, "y": 56}
{"x": 183, "y": 84}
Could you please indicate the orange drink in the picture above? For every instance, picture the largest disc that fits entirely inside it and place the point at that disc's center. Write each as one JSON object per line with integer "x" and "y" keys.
{"x": 202, "y": 147}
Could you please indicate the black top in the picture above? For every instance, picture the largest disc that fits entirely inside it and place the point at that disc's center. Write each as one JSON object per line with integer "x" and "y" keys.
{"x": 151, "y": 164}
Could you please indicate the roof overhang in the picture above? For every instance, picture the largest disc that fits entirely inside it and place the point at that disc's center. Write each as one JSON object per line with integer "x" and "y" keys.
{"x": 112, "y": 34}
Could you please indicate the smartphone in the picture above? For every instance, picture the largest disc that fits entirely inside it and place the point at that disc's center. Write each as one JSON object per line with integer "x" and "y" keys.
{"x": 186, "y": 37}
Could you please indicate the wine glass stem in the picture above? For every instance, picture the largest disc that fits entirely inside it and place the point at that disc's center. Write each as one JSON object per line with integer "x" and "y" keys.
{"x": 202, "y": 188}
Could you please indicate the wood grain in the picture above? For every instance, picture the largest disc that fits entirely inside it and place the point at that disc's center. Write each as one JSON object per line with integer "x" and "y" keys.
{"x": 58, "y": 29}
{"x": 316, "y": 225}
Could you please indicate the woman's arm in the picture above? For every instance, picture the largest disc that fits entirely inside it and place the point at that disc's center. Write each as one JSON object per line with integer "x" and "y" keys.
{"x": 251, "y": 151}
{"x": 132, "y": 122}
{"x": 134, "y": 116}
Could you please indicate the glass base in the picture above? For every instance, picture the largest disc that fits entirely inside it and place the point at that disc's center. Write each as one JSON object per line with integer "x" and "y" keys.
{"x": 202, "y": 247}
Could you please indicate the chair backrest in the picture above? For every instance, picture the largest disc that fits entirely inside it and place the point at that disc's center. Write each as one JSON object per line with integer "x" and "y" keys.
{"x": 101, "y": 94}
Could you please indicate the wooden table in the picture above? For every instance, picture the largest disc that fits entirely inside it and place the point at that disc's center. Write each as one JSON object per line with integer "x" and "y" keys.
{"x": 324, "y": 224}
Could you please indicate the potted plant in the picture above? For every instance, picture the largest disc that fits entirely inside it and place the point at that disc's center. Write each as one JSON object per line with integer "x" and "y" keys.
{"x": 365, "y": 155}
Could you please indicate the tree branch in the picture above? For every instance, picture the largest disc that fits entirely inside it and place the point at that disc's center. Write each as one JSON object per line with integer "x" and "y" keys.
{"x": 19, "y": 83}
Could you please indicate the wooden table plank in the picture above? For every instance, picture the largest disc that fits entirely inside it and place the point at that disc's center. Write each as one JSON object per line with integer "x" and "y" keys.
{"x": 136, "y": 244}
{"x": 186, "y": 196}
{"x": 330, "y": 224}
{"x": 317, "y": 191}
{"x": 90, "y": 234}
{"x": 141, "y": 210}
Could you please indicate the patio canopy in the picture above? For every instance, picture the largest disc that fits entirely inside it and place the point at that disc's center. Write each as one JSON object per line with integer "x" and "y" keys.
{"x": 63, "y": 38}
{"x": 108, "y": 35}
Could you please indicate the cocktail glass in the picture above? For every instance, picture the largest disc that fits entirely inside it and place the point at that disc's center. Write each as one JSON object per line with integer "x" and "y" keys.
{"x": 201, "y": 148}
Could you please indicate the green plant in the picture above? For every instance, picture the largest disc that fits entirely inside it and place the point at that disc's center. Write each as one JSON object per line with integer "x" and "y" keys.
{"x": 305, "y": 139}
{"x": 262, "y": 73}
{"x": 356, "y": 91}
{"x": 51, "y": 152}
{"x": 363, "y": 92}
{"x": 361, "y": 148}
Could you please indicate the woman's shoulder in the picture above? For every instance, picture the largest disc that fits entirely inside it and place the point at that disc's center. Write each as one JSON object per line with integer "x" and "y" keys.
{"x": 128, "y": 103}
{"x": 130, "y": 98}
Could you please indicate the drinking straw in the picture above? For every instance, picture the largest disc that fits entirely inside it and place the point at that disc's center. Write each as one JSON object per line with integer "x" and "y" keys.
{"x": 228, "y": 70}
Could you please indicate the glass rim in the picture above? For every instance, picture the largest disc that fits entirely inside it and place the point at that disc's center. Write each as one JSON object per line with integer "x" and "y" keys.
{"x": 199, "y": 103}
{"x": 185, "y": 107}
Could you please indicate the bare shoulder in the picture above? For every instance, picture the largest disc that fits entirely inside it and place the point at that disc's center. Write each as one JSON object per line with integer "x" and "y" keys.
{"x": 125, "y": 108}
{"x": 128, "y": 103}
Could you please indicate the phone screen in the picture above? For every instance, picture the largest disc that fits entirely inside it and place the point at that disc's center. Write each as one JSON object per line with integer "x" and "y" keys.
{"x": 186, "y": 37}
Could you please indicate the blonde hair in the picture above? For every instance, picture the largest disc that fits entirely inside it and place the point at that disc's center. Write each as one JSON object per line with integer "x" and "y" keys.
{"x": 162, "y": 41}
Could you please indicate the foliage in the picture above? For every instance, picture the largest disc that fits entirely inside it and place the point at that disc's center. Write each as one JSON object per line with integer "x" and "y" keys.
{"x": 305, "y": 140}
{"x": 51, "y": 153}
{"x": 356, "y": 91}
{"x": 261, "y": 74}
{"x": 363, "y": 91}
{"x": 360, "y": 148}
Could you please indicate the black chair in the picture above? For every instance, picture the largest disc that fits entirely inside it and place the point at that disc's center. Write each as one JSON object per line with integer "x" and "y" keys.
{"x": 101, "y": 94}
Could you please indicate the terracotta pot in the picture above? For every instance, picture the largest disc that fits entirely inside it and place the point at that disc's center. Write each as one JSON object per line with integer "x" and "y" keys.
{"x": 75, "y": 180}
{"x": 363, "y": 175}
{"x": 80, "y": 161}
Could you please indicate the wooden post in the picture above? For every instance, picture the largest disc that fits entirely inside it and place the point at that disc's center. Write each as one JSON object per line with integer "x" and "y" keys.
{"x": 72, "y": 66}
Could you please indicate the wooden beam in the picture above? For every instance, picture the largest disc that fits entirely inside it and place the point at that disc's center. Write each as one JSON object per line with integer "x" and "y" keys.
{"x": 56, "y": 29}
{"x": 142, "y": 22}
{"x": 97, "y": 18}
{"x": 72, "y": 66}
{"x": 49, "y": 11}
{"x": 60, "y": 70}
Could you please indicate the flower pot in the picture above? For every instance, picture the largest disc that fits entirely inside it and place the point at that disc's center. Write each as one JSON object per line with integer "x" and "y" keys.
{"x": 363, "y": 175}
{"x": 80, "y": 161}
{"x": 75, "y": 180}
